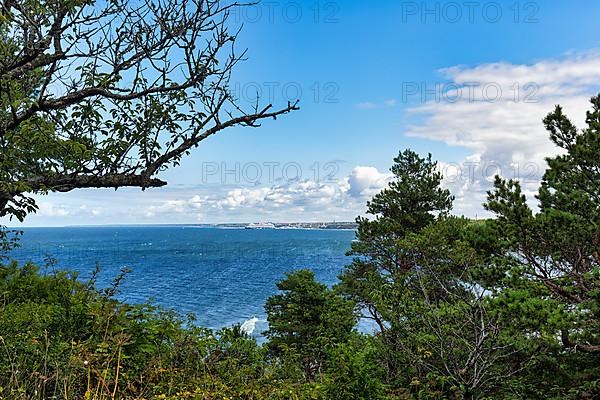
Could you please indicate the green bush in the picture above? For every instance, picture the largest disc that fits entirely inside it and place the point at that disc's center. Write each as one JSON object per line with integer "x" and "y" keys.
{"x": 63, "y": 338}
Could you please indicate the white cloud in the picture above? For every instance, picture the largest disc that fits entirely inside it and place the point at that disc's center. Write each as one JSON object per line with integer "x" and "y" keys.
{"x": 49, "y": 209}
{"x": 366, "y": 181}
{"x": 506, "y": 135}
{"x": 196, "y": 202}
{"x": 167, "y": 207}
{"x": 294, "y": 200}
{"x": 243, "y": 197}
{"x": 84, "y": 210}
{"x": 298, "y": 193}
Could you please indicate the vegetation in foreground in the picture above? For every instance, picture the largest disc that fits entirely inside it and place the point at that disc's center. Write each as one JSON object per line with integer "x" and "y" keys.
{"x": 502, "y": 309}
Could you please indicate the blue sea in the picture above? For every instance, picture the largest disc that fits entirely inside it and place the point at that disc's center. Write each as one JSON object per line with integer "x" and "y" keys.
{"x": 223, "y": 276}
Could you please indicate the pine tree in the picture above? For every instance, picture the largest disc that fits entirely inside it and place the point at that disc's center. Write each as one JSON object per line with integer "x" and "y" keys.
{"x": 550, "y": 288}
{"x": 412, "y": 201}
{"x": 306, "y": 319}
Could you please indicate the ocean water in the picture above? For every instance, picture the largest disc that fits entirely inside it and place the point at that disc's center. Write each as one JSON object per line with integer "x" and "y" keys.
{"x": 223, "y": 276}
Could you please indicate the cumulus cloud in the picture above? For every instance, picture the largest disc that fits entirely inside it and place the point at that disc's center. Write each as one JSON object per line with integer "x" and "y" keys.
{"x": 243, "y": 197}
{"x": 167, "y": 207}
{"x": 48, "y": 209}
{"x": 305, "y": 194}
{"x": 93, "y": 212}
{"x": 496, "y": 111}
{"x": 61, "y": 210}
{"x": 366, "y": 181}
{"x": 284, "y": 201}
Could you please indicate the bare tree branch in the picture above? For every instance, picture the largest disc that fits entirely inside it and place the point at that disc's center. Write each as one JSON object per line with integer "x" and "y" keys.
{"x": 111, "y": 94}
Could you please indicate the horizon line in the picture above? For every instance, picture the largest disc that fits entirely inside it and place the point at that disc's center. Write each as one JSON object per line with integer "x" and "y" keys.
{"x": 173, "y": 224}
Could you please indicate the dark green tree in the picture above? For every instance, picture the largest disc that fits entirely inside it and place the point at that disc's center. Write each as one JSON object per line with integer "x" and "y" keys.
{"x": 412, "y": 201}
{"x": 306, "y": 320}
{"x": 550, "y": 286}
{"x": 416, "y": 273}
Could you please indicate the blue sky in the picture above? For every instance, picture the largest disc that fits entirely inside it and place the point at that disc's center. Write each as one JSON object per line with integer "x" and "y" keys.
{"x": 357, "y": 64}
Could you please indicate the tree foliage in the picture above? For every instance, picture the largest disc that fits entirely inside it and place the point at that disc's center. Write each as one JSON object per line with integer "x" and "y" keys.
{"x": 551, "y": 283}
{"x": 306, "y": 320}
{"x": 503, "y": 308}
{"x": 415, "y": 273}
{"x": 109, "y": 94}
{"x": 412, "y": 201}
